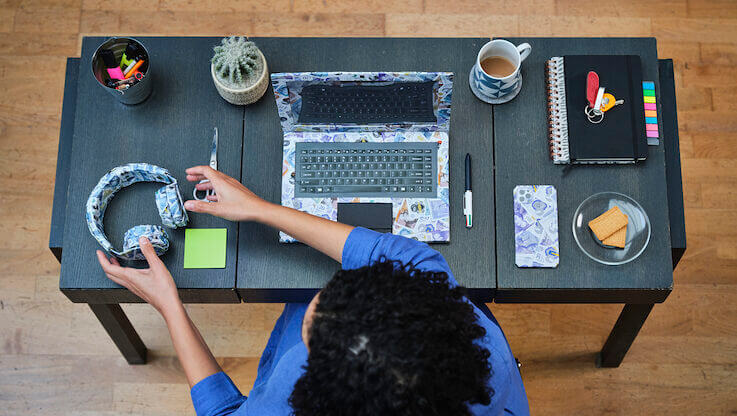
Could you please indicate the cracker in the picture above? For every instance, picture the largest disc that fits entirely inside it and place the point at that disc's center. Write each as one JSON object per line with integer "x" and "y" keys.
{"x": 617, "y": 239}
{"x": 608, "y": 223}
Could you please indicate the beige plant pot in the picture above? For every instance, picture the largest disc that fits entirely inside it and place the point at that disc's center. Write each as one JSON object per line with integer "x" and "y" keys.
{"x": 247, "y": 95}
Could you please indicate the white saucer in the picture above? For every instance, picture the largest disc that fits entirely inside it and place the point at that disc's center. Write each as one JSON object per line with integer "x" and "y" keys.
{"x": 507, "y": 98}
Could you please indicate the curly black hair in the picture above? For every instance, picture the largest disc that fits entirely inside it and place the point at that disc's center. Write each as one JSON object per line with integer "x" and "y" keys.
{"x": 389, "y": 339}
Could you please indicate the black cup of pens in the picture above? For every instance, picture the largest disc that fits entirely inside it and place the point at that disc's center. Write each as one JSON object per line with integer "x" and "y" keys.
{"x": 122, "y": 67}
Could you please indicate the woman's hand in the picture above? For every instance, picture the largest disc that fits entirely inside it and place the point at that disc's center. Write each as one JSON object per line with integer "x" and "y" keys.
{"x": 232, "y": 201}
{"x": 154, "y": 285}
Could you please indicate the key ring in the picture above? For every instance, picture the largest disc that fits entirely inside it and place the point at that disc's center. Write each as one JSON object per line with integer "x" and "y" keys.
{"x": 592, "y": 114}
{"x": 209, "y": 192}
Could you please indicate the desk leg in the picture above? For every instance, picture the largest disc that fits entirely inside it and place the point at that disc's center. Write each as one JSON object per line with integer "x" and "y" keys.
{"x": 623, "y": 334}
{"x": 125, "y": 337}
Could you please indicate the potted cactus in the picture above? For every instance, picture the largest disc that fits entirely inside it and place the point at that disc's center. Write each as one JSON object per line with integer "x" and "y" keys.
{"x": 239, "y": 71}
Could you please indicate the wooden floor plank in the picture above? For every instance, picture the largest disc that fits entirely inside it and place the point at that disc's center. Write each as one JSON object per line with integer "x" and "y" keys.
{"x": 356, "y": 6}
{"x": 488, "y": 7}
{"x": 531, "y": 25}
{"x": 714, "y": 145}
{"x": 416, "y": 25}
{"x": 225, "y": 6}
{"x": 185, "y": 22}
{"x": 712, "y": 8}
{"x": 670, "y": 8}
{"x": 318, "y": 24}
{"x": 719, "y": 53}
{"x": 7, "y": 19}
{"x": 147, "y": 5}
{"x": 47, "y": 44}
{"x": 66, "y": 20}
{"x": 676, "y": 29}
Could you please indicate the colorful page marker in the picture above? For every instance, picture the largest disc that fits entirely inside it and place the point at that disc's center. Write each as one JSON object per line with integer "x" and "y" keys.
{"x": 204, "y": 248}
{"x": 651, "y": 113}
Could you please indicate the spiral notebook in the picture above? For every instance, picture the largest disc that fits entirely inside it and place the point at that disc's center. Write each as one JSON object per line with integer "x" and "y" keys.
{"x": 620, "y": 137}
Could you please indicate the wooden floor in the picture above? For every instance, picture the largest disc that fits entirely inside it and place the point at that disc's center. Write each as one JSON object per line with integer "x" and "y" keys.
{"x": 56, "y": 360}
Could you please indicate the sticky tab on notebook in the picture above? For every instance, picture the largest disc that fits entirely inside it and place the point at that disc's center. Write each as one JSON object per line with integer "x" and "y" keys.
{"x": 651, "y": 113}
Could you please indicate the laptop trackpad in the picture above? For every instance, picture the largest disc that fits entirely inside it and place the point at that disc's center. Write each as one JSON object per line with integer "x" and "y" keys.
{"x": 375, "y": 216}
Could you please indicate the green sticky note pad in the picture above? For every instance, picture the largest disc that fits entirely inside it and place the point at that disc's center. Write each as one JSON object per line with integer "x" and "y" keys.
{"x": 204, "y": 248}
{"x": 648, "y": 93}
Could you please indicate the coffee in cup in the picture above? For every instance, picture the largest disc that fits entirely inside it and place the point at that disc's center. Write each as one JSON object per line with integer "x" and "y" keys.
{"x": 497, "y": 66}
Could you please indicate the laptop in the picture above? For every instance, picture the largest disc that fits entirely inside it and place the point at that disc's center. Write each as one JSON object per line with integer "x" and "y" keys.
{"x": 368, "y": 149}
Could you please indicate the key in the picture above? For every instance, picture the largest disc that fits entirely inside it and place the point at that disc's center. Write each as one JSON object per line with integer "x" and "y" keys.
{"x": 357, "y": 189}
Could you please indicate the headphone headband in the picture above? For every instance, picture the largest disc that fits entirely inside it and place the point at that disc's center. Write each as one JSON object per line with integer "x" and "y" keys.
{"x": 168, "y": 202}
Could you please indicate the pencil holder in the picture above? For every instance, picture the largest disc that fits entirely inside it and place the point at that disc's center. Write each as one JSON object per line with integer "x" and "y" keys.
{"x": 106, "y": 68}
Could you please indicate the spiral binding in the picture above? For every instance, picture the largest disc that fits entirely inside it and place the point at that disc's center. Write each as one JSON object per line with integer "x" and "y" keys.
{"x": 557, "y": 111}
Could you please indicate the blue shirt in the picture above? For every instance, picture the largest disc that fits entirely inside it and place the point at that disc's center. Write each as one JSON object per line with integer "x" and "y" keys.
{"x": 282, "y": 362}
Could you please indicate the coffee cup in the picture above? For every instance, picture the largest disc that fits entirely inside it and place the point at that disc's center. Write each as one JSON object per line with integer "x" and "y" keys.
{"x": 496, "y": 77}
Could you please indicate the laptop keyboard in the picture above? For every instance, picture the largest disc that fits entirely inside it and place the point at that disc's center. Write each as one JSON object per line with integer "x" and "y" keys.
{"x": 394, "y": 103}
{"x": 405, "y": 170}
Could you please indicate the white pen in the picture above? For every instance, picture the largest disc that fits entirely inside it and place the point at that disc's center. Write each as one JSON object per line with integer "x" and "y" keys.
{"x": 468, "y": 195}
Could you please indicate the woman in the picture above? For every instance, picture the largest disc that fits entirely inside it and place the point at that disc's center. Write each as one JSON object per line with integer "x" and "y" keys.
{"x": 390, "y": 334}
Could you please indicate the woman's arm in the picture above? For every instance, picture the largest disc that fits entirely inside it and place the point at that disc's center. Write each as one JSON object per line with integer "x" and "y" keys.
{"x": 235, "y": 202}
{"x": 194, "y": 354}
{"x": 156, "y": 286}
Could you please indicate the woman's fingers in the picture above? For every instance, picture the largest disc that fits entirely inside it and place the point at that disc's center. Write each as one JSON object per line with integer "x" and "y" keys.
{"x": 195, "y": 178}
{"x": 108, "y": 266}
{"x": 206, "y": 171}
{"x": 213, "y": 198}
{"x": 204, "y": 186}
{"x": 200, "y": 206}
{"x": 112, "y": 269}
{"x": 154, "y": 262}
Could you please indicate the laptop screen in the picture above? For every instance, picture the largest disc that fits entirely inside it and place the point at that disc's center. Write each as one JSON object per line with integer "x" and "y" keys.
{"x": 363, "y": 101}
{"x": 367, "y": 103}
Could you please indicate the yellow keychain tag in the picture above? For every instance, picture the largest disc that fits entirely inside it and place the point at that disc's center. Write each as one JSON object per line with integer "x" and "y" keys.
{"x": 608, "y": 101}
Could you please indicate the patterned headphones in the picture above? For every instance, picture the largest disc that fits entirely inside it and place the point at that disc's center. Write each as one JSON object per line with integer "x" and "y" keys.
{"x": 168, "y": 202}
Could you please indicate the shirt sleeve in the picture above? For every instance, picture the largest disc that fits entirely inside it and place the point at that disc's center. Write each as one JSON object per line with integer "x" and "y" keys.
{"x": 365, "y": 247}
{"x": 216, "y": 395}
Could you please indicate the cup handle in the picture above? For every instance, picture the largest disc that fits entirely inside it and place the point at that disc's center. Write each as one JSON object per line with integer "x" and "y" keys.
{"x": 524, "y": 50}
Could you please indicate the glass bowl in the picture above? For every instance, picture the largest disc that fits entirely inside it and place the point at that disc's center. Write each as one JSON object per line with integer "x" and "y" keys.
{"x": 638, "y": 228}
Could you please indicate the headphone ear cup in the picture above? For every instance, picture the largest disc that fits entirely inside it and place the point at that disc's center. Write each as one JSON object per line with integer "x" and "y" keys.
{"x": 170, "y": 204}
{"x": 156, "y": 235}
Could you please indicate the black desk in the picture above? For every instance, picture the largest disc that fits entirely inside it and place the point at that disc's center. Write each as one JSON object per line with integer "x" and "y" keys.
{"x": 173, "y": 128}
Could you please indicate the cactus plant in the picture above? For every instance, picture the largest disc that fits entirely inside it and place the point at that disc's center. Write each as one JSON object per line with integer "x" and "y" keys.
{"x": 239, "y": 71}
{"x": 237, "y": 61}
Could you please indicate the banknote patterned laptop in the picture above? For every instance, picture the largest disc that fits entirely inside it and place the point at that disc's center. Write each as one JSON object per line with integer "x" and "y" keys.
{"x": 368, "y": 149}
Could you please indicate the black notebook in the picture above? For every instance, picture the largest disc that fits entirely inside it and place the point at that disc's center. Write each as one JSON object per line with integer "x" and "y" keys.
{"x": 621, "y": 136}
